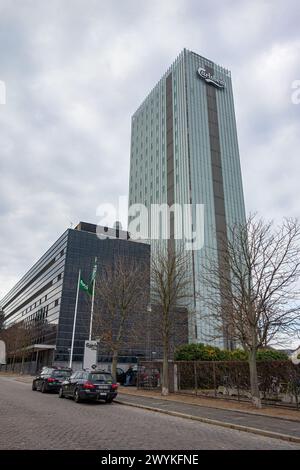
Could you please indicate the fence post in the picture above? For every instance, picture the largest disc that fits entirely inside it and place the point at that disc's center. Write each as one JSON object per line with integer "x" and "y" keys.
{"x": 175, "y": 378}
{"x": 195, "y": 377}
{"x": 237, "y": 378}
{"x": 214, "y": 378}
{"x": 296, "y": 394}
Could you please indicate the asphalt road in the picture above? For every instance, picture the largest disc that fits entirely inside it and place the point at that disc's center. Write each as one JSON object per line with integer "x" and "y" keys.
{"x": 32, "y": 420}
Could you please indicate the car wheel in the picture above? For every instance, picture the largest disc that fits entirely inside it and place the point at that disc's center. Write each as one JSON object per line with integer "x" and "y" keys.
{"x": 33, "y": 387}
{"x": 77, "y": 398}
{"x": 43, "y": 388}
{"x": 61, "y": 393}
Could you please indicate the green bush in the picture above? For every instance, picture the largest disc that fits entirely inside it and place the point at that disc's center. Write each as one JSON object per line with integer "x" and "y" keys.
{"x": 238, "y": 355}
{"x": 271, "y": 355}
{"x": 202, "y": 352}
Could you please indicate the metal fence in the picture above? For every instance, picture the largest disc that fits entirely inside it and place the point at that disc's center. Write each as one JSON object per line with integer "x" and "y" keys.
{"x": 279, "y": 381}
{"x": 28, "y": 367}
{"x": 149, "y": 374}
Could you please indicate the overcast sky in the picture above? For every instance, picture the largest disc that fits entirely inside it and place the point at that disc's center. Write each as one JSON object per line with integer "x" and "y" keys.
{"x": 76, "y": 70}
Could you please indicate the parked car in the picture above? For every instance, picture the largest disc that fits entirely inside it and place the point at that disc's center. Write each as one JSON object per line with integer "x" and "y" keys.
{"x": 149, "y": 377}
{"x": 89, "y": 385}
{"x": 133, "y": 376}
{"x": 121, "y": 376}
{"x": 50, "y": 379}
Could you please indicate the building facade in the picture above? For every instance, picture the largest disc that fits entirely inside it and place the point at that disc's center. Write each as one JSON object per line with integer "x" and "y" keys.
{"x": 184, "y": 150}
{"x": 45, "y": 297}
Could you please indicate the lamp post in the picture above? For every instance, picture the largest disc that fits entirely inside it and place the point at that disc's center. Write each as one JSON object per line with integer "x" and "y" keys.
{"x": 149, "y": 310}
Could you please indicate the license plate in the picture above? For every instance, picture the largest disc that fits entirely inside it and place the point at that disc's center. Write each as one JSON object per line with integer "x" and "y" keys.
{"x": 102, "y": 394}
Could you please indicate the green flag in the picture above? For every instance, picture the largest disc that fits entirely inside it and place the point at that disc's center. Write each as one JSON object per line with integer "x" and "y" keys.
{"x": 88, "y": 288}
{"x": 83, "y": 286}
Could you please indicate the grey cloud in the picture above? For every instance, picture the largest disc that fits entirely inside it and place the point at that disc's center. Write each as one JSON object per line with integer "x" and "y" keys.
{"x": 76, "y": 71}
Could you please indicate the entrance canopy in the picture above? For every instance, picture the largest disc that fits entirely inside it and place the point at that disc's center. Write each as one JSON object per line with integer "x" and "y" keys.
{"x": 40, "y": 347}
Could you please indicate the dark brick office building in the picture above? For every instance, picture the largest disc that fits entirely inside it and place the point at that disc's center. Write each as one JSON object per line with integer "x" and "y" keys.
{"x": 46, "y": 294}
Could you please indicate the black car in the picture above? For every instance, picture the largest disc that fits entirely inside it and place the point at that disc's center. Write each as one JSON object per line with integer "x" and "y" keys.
{"x": 89, "y": 385}
{"x": 50, "y": 379}
{"x": 121, "y": 376}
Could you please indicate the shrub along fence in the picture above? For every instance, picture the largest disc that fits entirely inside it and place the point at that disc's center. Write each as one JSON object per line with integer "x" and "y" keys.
{"x": 279, "y": 381}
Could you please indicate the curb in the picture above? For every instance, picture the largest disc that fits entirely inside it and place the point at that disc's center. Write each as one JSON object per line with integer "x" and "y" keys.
{"x": 224, "y": 424}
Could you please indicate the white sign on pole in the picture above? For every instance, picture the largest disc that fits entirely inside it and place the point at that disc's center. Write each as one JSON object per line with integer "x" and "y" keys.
{"x": 2, "y": 352}
{"x": 90, "y": 354}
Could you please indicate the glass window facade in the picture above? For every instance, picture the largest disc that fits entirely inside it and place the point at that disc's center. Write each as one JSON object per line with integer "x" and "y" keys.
{"x": 35, "y": 298}
{"x": 188, "y": 127}
{"x": 45, "y": 297}
{"x": 83, "y": 247}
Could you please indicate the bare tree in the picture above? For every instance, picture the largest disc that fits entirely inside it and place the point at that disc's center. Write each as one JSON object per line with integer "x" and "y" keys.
{"x": 2, "y": 319}
{"x": 256, "y": 272}
{"x": 171, "y": 283}
{"x": 121, "y": 298}
{"x": 17, "y": 338}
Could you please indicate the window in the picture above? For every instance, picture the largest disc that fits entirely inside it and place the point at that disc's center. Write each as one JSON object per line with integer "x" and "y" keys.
{"x": 61, "y": 373}
{"x": 56, "y": 303}
{"x": 96, "y": 377}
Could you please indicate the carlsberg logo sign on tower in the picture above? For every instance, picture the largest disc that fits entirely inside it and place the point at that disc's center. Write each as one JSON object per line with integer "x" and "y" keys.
{"x": 206, "y": 76}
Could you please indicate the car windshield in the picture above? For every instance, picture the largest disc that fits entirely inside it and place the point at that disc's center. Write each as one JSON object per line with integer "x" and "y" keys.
{"x": 61, "y": 373}
{"x": 100, "y": 377}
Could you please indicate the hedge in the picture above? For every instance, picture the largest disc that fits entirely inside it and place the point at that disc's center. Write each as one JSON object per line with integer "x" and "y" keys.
{"x": 202, "y": 352}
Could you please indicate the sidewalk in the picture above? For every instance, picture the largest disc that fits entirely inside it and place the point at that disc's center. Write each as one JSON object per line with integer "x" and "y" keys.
{"x": 216, "y": 403}
{"x": 281, "y": 424}
{"x": 18, "y": 377}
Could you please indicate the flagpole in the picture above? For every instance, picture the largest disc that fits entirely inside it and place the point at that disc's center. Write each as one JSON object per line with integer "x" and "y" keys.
{"x": 74, "y": 323}
{"x": 92, "y": 311}
{"x": 92, "y": 306}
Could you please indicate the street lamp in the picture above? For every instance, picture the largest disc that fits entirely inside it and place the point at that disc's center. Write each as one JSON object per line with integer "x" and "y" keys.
{"x": 153, "y": 354}
{"x": 149, "y": 310}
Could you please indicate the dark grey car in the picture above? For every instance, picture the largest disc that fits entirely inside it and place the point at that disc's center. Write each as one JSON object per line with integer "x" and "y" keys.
{"x": 93, "y": 385}
{"x": 50, "y": 379}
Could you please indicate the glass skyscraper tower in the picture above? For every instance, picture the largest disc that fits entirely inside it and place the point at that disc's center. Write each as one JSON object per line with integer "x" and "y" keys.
{"x": 184, "y": 150}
